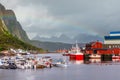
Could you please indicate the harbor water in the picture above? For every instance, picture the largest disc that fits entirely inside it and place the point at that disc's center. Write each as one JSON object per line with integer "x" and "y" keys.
{"x": 76, "y": 70}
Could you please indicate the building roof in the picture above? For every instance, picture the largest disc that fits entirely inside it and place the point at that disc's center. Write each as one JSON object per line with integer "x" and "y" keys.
{"x": 115, "y": 32}
{"x": 112, "y": 37}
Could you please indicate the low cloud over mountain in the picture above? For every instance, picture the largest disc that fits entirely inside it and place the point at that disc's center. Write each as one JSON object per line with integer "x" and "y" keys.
{"x": 81, "y": 38}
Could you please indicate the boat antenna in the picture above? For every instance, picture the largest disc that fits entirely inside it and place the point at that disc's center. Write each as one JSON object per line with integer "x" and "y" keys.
{"x": 77, "y": 47}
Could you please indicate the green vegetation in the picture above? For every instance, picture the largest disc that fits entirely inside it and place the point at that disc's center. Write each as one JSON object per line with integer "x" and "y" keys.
{"x": 11, "y": 33}
{"x": 9, "y": 41}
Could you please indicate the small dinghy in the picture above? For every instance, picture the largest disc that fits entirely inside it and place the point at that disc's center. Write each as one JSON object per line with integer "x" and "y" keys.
{"x": 61, "y": 63}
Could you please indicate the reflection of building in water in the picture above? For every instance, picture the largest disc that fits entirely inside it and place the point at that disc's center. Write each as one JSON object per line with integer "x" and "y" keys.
{"x": 113, "y": 40}
{"x": 99, "y": 62}
{"x": 77, "y": 61}
{"x": 116, "y": 60}
{"x": 95, "y": 60}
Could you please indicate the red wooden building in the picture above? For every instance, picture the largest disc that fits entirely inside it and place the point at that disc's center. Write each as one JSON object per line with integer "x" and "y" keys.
{"x": 97, "y": 48}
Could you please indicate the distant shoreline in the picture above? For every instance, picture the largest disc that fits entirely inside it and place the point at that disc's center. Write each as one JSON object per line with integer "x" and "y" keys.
{"x": 50, "y": 53}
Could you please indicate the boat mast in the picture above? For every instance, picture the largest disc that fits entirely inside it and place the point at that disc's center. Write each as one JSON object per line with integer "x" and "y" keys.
{"x": 77, "y": 48}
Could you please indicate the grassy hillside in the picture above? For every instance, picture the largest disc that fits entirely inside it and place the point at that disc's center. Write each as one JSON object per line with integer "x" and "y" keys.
{"x": 7, "y": 41}
{"x": 13, "y": 36}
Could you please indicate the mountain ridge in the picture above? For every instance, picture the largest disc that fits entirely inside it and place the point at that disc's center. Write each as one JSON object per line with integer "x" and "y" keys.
{"x": 13, "y": 36}
{"x": 62, "y": 38}
{"x": 9, "y": 30}
{"x": 14, "y": 27}
{"x": 81, "y": 38}
{"x": 9, "y": 25}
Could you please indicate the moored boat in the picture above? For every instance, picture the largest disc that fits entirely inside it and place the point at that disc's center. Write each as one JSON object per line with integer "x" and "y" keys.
{"x": 62, "y": 62}
{"x": 115, "y": 57}
{"x": 75, "y": 53}
{"x": 59, "y": 64}
{"x": 65, "y": 54}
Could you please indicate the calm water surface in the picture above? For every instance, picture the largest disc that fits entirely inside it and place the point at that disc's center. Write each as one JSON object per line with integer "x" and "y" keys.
{"x": 74, "y": 71}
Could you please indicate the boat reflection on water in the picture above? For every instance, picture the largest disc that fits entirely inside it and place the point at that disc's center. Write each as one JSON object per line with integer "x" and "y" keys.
{"x": 116, "y": 60}
{"x": 77, "y": 61}
{"x": 102, "y": 62}
{"x": 97, "y": 62}
{"x": 92, "y": 61}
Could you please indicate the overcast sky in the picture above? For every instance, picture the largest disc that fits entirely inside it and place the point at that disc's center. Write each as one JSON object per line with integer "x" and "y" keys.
{"x": 70, "y": 17}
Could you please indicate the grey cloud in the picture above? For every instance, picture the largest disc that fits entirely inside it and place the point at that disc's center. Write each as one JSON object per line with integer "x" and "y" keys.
{"x": 95, "y": 17}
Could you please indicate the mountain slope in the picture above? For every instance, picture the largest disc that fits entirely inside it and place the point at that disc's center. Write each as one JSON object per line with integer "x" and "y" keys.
{"x": 7, "y": 40}
{"x": 13, "y": 26}
{"x": 3, "y": 28}
{"x": 51, "y": 46}
{"x": 11, "y": 33}
{"x": 13, "y": 36}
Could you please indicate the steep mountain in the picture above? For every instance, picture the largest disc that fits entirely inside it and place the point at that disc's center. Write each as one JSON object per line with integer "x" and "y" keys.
{"x": 13, "y": 36}
{"x": 13, "y": 26}
{"x": 11, "y": 33}
{"x": 3, "y": 28}
{"x": 7, "y": 40}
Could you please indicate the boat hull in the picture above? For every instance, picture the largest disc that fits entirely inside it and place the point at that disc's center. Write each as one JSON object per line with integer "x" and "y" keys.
{"x": 61, "y": 65}
{"x": 76, "y": 57}
{"x": 65, "y": 54}
{"x": 115, "y": 57}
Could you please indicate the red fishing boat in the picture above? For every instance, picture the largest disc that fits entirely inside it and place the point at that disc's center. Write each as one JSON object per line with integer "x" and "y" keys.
{"x": 75, "y": 53}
